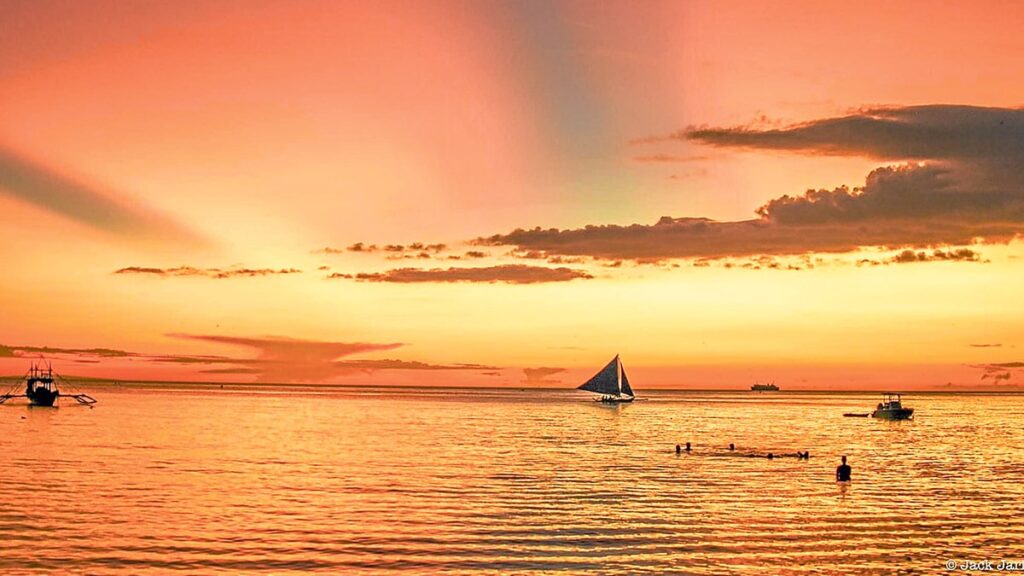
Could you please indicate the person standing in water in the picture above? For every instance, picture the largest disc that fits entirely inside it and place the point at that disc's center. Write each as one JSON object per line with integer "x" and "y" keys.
{"x": 843, "y": 471}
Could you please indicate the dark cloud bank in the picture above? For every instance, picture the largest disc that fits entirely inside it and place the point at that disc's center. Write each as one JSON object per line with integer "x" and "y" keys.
{"x": 964, "y": 183}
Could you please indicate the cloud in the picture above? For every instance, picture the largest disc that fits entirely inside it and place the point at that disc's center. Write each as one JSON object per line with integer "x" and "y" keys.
{"x": 998, "y": 376}
{"x": 907, "y": 192}
{"x": 671, "y": 238}
{"x": 415, "y": 247}
{"x": 329, "y": 250}
{"x": 419, "y": 246}
{"x": 933, "y": 132}
{"x": 962, "y": 254}
{"x": 963, "y": 184}
{"x": 566, "y": 260}
{"x": 276, "y": 348}
{"x": 217, "y": 273}
{"x": 649, "y": 140}
{"x": 668, "y": 159}
{"x": 170, "y": 359}
{"x": 409, "y": 256}
{"x": 528, "y": 254}
{"x": 273, "y": 359}
{"x": 911, "y": 256}
{"x": 290, "y": 360}
{"x": 24, "y": 351}
{"x": 53, "y": 190}
{"x": 998, "y": 371}
{"x": 231, "y": 371}
{"x": 281, "y": 360}
{"x": 92, "y": 355}
{"x": 985, "y": 345}
{"x": 538, "y": 376}
{"x": 507, "y": 273}
{"x": 370, "y": 366}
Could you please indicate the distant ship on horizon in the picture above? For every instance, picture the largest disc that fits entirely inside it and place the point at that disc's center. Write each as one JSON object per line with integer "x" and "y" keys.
{"x": 765, "y": 388}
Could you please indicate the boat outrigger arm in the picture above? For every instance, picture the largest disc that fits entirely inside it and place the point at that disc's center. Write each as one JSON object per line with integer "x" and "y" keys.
{"x": 80, "y": 398}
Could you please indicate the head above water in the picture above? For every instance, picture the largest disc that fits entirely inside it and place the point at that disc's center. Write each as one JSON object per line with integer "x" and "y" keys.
{"x": 844, "y": 459}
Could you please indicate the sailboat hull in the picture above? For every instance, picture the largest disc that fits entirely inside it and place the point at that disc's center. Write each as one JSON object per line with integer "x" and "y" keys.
{"x": 614, "y": 399}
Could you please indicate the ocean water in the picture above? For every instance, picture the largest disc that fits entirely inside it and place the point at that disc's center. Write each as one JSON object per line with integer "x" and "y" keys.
{"x": 265, "y": 480}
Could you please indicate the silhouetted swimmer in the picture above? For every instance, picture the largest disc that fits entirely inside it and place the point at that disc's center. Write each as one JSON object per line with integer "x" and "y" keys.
{"x": 678, "y": 449}
{"x": 771, "y": 456}
{"x": 687, "y": 446}
{"x": 732, "y": 446}
{"x": 807, "y": 454}
{"x": 843, "y": 471}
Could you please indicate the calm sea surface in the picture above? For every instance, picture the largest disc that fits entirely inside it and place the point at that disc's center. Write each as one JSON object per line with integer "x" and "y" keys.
{"x": 503, "y": 481}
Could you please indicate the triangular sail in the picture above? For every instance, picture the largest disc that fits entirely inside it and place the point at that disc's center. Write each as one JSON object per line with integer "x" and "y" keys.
{"x": 606, "y": 381}
{"x": 625, "y": 384}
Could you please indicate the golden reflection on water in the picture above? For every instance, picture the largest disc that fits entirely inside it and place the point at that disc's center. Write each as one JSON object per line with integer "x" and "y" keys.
{"x": 208, "y": 481}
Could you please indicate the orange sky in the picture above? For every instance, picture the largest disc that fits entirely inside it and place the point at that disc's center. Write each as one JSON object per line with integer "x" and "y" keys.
{"x": 170, "y": 176}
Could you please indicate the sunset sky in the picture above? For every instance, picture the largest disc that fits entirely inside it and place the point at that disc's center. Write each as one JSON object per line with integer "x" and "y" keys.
{"x": 478, "y": 193}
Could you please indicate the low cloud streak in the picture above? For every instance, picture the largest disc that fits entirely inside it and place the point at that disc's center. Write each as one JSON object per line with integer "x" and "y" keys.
{"x": 506, "y": 274}
{"x": 216, "y": 273}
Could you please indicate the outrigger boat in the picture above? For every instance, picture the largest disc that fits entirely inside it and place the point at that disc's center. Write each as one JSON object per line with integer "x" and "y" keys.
{"x": 41, "y": 388}
{"x": 611, "y": 383}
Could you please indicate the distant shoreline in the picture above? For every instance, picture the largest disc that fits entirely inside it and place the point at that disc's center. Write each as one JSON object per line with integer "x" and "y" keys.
{"x": 306, "y": 386}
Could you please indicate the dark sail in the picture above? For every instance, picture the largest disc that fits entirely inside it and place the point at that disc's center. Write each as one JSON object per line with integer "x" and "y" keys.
{"x": 606, "y": 381}
{"x": 625, "y": 385}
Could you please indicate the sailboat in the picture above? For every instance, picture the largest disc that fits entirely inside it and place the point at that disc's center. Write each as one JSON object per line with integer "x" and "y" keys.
{"x": 611, "y": 383}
